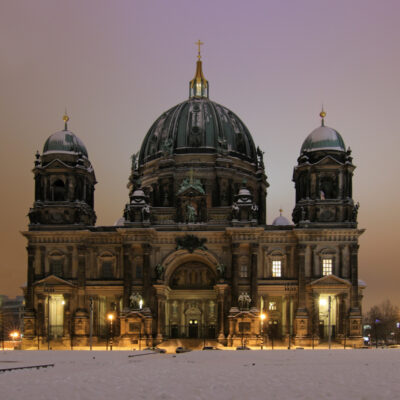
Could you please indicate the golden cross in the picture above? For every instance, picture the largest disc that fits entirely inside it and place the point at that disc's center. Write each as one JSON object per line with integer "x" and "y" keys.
{"x": 280, "y": 211}
{"x": 199, "y": 44}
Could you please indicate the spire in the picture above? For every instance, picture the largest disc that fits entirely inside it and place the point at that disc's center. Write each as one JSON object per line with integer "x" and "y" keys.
{"x": 198, "y": 86}
{"x": 322, "y": 114}
{"x": 65, "y": 119}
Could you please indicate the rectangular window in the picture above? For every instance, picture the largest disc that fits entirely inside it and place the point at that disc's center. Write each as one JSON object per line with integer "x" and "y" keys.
{"x": 56, "y": 267}
{"x": 139, "y": 272}
{"x": 327, "y": 266}
{"x": 243, "y": 271}
{"x": 272, "y": 306}
{"x": 106, "y": 269}
{"x": 276, "y": 269}
{"x": 244, "y": 327}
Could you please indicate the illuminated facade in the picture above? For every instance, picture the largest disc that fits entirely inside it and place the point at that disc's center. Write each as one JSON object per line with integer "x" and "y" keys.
{"x": 192, "y": 256}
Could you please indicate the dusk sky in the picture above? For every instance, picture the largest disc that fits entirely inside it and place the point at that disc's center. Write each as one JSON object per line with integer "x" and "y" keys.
{"x": 117, "y": 65}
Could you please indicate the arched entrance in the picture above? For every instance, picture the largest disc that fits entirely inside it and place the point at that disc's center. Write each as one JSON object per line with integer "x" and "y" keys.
{"x": 192, "y": 301}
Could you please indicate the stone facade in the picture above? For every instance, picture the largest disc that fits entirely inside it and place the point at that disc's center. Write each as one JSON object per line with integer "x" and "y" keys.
{"x": 192, "y": 256}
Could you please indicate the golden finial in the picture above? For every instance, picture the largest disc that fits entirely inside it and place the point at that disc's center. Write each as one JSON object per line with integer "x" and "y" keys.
{"x": 65, "y": 119}
{"x": 322, "y": 114}
{"x": 199, "y": 43}
{"x": 280, "y": 211}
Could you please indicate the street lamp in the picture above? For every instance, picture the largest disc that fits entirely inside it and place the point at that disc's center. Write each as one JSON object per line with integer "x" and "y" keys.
{"x": 14, "y": 335}
{"x": 111, "y": 318}
{"x": 262, "y": 318}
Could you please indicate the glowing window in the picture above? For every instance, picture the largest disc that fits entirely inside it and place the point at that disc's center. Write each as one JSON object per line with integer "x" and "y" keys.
{"x": 243, "y": 273}
{"x": 276, "y": 269}
{"x": 272, "y": 306}
{"x": 327, "y": 266}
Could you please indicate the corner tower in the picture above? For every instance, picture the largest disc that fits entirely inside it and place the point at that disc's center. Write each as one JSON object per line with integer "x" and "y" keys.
{"x": 64, "y": 184}
{"x": 323, "y": 181}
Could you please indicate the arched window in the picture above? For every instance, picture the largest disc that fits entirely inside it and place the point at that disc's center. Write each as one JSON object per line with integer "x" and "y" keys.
{"x": 59, "y": 190}
{"x": 106, "y": 265}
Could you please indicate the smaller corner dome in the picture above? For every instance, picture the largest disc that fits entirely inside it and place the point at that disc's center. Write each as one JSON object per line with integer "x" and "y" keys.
{"x": 64, "y": 142}
{"x": 281, "y": 221}
{"x": 323, "y": 138}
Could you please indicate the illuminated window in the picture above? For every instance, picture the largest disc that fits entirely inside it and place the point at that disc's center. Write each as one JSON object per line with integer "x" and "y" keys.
{"x": 272, "y": 306}
{"x": 276, "y": 269}
{"x": 243, "y": 273}
{"x": 327, "y": 266}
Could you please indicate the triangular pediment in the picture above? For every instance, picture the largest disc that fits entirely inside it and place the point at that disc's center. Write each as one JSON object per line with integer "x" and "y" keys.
{"x": 56, "y": 164}
{"x": 330, "y": 280}
{"x": 191, "y": 191}
{"x": 53, "y": 280}
{"x": 328, "y": 160}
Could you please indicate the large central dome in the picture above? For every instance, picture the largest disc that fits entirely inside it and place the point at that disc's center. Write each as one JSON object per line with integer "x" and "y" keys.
{"x": 198, "y": 125}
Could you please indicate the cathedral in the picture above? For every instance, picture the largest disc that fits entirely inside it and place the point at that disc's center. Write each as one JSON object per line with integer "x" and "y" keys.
{"x": 192, "y": 256}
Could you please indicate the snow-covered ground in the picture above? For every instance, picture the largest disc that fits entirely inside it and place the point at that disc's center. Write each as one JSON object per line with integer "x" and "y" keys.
{"x": 278, "y": 374}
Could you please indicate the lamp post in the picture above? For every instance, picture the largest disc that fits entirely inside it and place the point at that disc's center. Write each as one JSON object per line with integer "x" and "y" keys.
{"x": 14, "y": 335}
{"x": 111, "y": 318}
{"x": 91, "y": 323}
{"x": 329, "y": 322}
{"x": 262, "y": 318}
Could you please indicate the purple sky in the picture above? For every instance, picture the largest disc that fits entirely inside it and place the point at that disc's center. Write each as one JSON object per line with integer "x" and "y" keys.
{"x": 117, "y": 65}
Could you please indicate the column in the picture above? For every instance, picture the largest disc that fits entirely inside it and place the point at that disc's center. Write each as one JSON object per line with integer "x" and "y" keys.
{"x": 127, "y": 274}
{"x": 31, "y": 278}
{"x": 221, "y": 290}
{"x": 81, "y": 276}
{"x": 235, "y": 274}
{"x": 302, "y": 283}
{"x": 146, "y": 273}
{"x": 253, "y": 282}
{"x": 354, "y": 277}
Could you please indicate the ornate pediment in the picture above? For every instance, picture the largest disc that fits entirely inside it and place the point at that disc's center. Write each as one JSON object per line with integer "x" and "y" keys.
{"x": 328, "y": 160}
{"x": 190, "y": 243}
{"x": 56, "y": 164}
{"x": 53, "y": 280}
{"x": 330, "y": 280}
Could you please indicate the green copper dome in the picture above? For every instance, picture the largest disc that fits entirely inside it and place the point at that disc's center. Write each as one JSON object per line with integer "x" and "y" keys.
{"x": 64, "y": 141}
{"x": 323, "y": 138}
{"x": 198, "y": 125}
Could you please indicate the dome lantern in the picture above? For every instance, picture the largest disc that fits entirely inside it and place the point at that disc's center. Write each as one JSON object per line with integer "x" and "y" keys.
{"x": 198, "y": 86}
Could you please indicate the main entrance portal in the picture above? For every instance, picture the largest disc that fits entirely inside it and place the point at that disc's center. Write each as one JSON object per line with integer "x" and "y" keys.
{"x": 192, "y": 302}
{"x": 193, "y": 329}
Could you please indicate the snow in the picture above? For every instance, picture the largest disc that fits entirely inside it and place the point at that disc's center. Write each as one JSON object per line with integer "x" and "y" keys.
{"x": 278, "y": 374}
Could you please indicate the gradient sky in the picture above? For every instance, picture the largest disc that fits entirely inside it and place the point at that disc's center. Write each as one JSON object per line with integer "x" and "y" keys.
{"x": 117, "y": 65}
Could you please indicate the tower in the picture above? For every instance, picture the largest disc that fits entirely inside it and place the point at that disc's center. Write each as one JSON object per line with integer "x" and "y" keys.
{"x": 323, "y": 181}
{"x": 64, "y": 183}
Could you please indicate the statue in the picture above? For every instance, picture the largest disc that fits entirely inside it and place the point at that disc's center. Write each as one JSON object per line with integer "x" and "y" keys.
{"x": 235, "y": 211}
{"x": 221, "y": 270}
{"x": 134, "y": 161}
{"x": 260, "y": 158}
{"x": 145, "y": 213}
{"x": 254, "y": 211}
{"x": 190, "y": 214}
{"x": 355, "y": 212}
{"x": 136, "y": 301}
{"x": 159, "y": 268}
{"x": 167, "y": 147}
{"x": 303, "y": 214}
{"x": 244, "y": 300}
